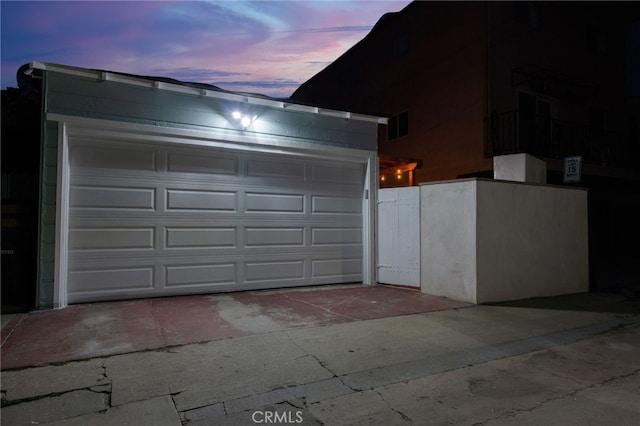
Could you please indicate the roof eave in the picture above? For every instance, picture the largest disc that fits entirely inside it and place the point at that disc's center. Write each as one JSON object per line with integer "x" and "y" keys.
{"x": 212, "y": 93}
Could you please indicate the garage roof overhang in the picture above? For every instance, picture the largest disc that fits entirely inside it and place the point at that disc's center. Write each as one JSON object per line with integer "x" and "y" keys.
{"x": 200, "y": 90}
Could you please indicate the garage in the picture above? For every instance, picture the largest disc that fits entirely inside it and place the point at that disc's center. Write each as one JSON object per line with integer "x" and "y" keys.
{"x": 148, "y": 220}
{"x": 152, "y": 187}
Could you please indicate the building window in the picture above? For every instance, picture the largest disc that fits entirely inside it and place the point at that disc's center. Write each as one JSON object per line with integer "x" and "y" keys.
{"x": 398, "y": 125}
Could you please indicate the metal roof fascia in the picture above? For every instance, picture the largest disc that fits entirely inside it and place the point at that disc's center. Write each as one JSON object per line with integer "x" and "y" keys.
{"x": 226, "y": 95}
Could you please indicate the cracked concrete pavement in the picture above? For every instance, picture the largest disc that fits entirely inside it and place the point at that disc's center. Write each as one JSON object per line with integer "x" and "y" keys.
{"x": 483, "y": 365}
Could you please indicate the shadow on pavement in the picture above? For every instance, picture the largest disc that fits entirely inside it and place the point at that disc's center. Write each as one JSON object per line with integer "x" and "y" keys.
{"x": 623, "y": 302}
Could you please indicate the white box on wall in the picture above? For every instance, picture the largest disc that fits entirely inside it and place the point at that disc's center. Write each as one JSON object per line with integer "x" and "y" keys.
{"x": 519, "y": 168}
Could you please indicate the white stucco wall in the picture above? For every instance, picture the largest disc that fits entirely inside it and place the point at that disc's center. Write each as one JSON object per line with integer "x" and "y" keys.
{"x": 519, "y": 168}
{"x": 531, "y": 240}
{"x": 448, "y": 240}
{"x": 489, "y": 241}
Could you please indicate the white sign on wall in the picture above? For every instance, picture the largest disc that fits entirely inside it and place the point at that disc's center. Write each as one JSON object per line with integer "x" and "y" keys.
{"x": 573, "y": 169}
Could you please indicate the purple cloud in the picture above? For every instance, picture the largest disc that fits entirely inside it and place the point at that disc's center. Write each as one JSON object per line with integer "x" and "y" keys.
{"x": 270, "y": 46}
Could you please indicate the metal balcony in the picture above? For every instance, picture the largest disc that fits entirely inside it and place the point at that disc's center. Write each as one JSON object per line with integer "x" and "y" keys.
{"x": 546, "y": 137}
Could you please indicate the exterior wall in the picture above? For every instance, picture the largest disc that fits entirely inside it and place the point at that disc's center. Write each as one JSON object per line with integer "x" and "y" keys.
{"x": 556, "y": 39}
{"x": 489, "y": 241}
{"x": 441, "y": 84}
{"x": 47, "y": 224}
{"x": 86, "y": 97}
{"x": 440, "y": 81}
{"x": 452, "y": 65}
{"x": 448, "y": 240}
{"x": 532, "y": 241}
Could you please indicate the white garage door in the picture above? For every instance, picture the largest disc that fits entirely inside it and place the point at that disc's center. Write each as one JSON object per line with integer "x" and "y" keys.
{"x": 154, "y": 220}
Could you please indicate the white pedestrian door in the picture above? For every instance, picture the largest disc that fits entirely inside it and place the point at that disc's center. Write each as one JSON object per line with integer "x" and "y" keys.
{"x": 399, "y": 236}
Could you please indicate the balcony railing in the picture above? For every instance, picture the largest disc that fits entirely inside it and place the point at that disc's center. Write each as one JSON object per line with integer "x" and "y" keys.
{"x": 546, "y": 137}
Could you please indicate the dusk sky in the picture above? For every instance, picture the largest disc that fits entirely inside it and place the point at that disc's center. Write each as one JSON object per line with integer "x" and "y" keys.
{"x": 267, "y": 47}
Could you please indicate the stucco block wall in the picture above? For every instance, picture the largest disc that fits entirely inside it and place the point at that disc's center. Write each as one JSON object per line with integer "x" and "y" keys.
{"x": 531, "y": 241}
{"x": 519, "y": 168}
{"x": 448, "y": 240}
{"x": 488, "y": 241}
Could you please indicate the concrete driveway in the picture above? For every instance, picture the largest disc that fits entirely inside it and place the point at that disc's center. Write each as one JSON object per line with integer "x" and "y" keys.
{"x": 108, "y": 328}
{"x": 330, "y": 356}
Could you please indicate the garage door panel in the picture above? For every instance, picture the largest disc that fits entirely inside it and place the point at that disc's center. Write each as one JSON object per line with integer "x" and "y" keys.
{"x": 272, "y": 167}
{"x": 336, "y": 236}
{"x": 112, "y": 197}
{"x": 276, "y": 270}
{"x": 301, "y": 220}
{"x": 201, "y": 275}
{"x": 211, "y": 201}
{"x": 202, "y": 162}
{"x": 336, "y": 205}
{"x": 115, "y": 156}
{"x": 342, "y": 268}
{"x": 204, "y": 220}
{"x": 133, "y": 278}
{"x": 269, "y": 237}
{"x": 111, "y": 238}
{"x": 274, "y": 202}
{"x": 200, "y": 237}
{"x": 339, "y": 174}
